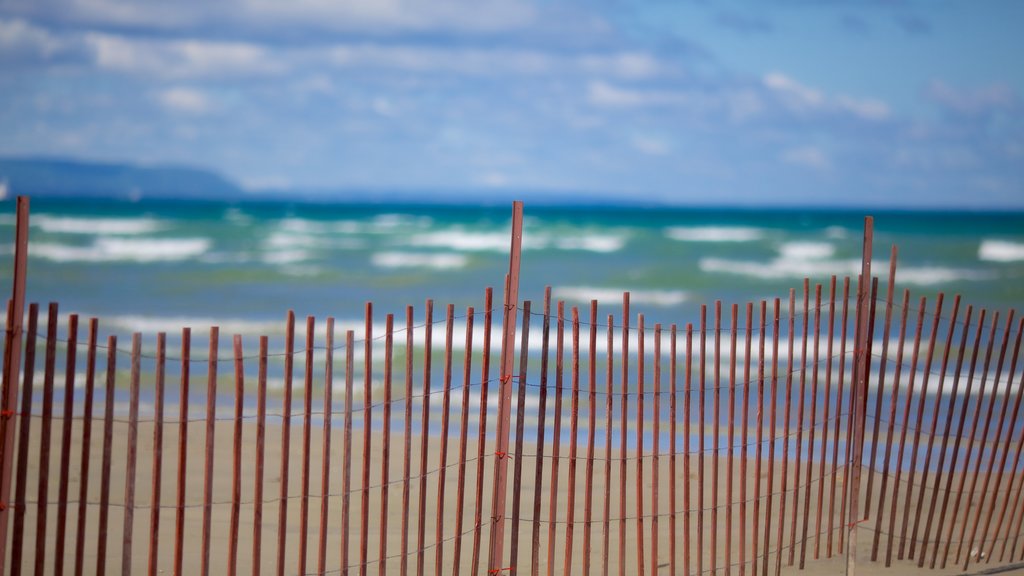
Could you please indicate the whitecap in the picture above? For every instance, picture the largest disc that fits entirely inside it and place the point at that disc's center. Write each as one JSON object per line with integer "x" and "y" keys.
{"x": 780, "y": 267}
{"x": 714, "y": 233}
{"x": 588, "y": 293}
{"x": 464, "y": 241}
{"x": 102, "y": 226}
{"x": 439, "y": 261}
{"x": 117, "y": 249}
{"x": 592, "y": 243}
{"x": 1000, "y": 251}
{"x": 286, "y": 256}
{"x": 806, "y": 250}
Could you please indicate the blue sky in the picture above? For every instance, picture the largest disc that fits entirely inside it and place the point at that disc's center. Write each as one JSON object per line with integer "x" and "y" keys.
{"x": 796, "y": 102}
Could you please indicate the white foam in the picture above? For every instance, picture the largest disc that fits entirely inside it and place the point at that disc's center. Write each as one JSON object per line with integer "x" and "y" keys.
{"x": 464, "y": 241}
{"x": 780, "y": 267}
{"x": 806, "y": 250}
{"x": 714, "y": 233}
{"x": 1000, "y": 251}
{"x": 439, "y": 261}
{"x": 606, "y": 295}
{"x": 198, "y": 325}
{"x": 930, "y": 275}
{"x": 123, "y": 250}
{"x": 592, "y": 243}
{"x": 101, "y": 226}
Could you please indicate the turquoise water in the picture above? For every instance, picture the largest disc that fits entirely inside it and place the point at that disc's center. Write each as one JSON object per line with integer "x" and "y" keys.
{"x": 149, "y": 265}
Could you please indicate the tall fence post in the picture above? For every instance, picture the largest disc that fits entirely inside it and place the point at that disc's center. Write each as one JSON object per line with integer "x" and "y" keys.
{"x": 12, "y": 367}
{"x": 505, "y": 396}
{"x": 860, "y": 355}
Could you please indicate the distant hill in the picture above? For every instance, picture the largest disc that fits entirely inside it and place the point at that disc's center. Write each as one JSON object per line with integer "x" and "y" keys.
{"x": 77, "y": 179}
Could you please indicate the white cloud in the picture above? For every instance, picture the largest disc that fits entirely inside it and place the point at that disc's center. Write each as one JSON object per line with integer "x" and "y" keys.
{"x": 972, "y": 101}
{"x": 181, "y": 99}
{"x": 795, "y": 94}
{"x": 605, "y": 94}
{"x": 806, "y": 156}
{"x": 803, "y": 99}
{"x": 650, "y": 145}
{"x": 21, "y": 37}
{"x": 180, "y": 58}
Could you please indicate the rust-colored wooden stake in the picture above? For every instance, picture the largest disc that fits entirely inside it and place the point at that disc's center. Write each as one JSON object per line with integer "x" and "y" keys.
{"x": 463, "y": 432}
{"x": 609, "y": 423}
{"x": 760, "y": 440}
{"x": 428, "y": 330}
{"x": 673, "y": 419}
{"x": 44, "y": 437}
{"x": 687, "y": 395}
{"x": 485, "y": 375}
{"x": 325, "y": 469}
{"x": 773, "y": 396}
{"x": 12, "y": 361}
{"x": 108, "y": 437}
{"x": 849, "y": 417}
{"x": 810, "y": 433}
{"x": 799, "y": 423}
{"x": 403, "y": 560}
{"x": 656, "y": 449}
{"x": 261, "y": 439}
{"x": 496, "y": 555}
{"x": 385, "y": 452}
{"x": 286, "y": 448}
{"x": 557, "y": 437}
{"x": 68, "y": 401}
{"x": 307, "y": 431}
{"x": 183, "y": 404}
{"x": 919, "y": 420}
{"x": 960, "y": 433}
{"x": 87, "y": 417}
{"x": 744, "y": 435}
{"x": 906, "y": 426}
{"x": 640, "y": 357}
{"x": 132, "y": 453}
{"x": 346, "y": 467}
{"x": 984, "y": 438}
{"x": 592, "y": 422}
{"x": 1016, "y": 462}
{"x": 701, "y": 423}
{"x": 364, "y": 509}
{"x": 893, "y": 402}
{"x": 236, "y": 460}
{"x": 624, "y": 416}
{"x": 935, "y": 417}
{"x": 823, "y": 459}
{"x": 211, "y": 421}
{"x": 1006, "y": 450}
{"x": 442, "y": 466}
{"x": 570, "y": 508}
{"x": 734, "y": 319}
{"x": 879, "y": 388}
{"x": 24, "y": 429}
{"x": 158, "y": 447}
{"x": 785, "y": 430}
{"x": 714, "y": 441}
{"x": 538, "y": 478}
{"x": 517, "y": 473}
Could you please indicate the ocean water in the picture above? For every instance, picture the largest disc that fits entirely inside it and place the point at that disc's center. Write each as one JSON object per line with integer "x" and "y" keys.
{"x": 158, "y": 266}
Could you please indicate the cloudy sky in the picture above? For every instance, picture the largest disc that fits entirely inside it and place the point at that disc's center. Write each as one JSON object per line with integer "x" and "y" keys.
{"x": 829, "y": 102}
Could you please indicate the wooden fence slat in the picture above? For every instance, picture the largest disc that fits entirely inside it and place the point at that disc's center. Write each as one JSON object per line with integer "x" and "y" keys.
{"x": 655, "y": 450}
{"x": 714, "y": 440}
{"x": 44, "y": 438}
{"x": 158, "y": 447}
{"x": 183, "y": 404}
{"x": 307, "y": 424}
{"x": 609, "y": 432}
{"x": 745, "y": 436}
{"x": 879, "y": 387}
{"x": 385, "y": 452}
{"x": 849, "y": 416}
{"x": 557, "y": 437}
{"x": 131, "y": 453}
{"x": 463, "y": 433}
{"x": 211, "y": 417}
{"x": 1007, "y": 501}
{"x": 87, "y": 418}
{"x": 442, "y": 467}
{"x": 624, "y": 416}
{"x": 1006, "y": 449}
{"x": 236, "y": 454}
{"x": 760, "y": 440}
{"x": 261, "y": 432}
{"x": 108, "y": 436}
{"x": 823, "y": 459}
{"x": 485, "y": 367}
{"x": 673, "y": 432}
{"x": 65, "y": 444}
{"x": 421, "y": 535}
{"x": 640, "y": 358}
{"x": 346, "y": 468}
{"x": 804, "y": 322}
{"x": 325, "y": 471}
{"x": 570, "y": 507}
{"x": 701, "y": 424}
{"x": 403, "y": 560}
{"x": 687, "y": 402}
{"x": 591, "y": 423}
{"x": 24, "y": 430}
{"x": 733, "y": 328}
{"x": 538, "y": 478}
{"x": 364, "y": 509}
{"x": 517, "y": 473}
{"x": 286, "y": 428}
{"x": 773, "y": 435}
